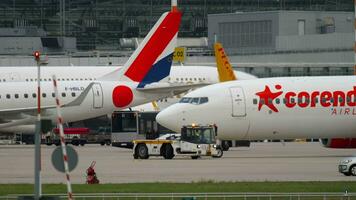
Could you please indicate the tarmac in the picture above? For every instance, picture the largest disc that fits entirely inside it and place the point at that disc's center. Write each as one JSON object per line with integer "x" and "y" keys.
{"x": 260, "y": 162}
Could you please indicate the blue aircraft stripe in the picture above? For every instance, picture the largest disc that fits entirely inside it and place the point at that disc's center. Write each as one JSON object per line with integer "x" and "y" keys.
{"x": 158, "y": 71}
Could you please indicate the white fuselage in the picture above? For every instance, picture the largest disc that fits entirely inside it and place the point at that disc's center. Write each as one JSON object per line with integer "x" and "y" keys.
{"x": 18, "y": 88}
{"x": 294, "y": 107}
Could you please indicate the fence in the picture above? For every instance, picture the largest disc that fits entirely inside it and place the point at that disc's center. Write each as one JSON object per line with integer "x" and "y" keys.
{"x": 200, "y": 196}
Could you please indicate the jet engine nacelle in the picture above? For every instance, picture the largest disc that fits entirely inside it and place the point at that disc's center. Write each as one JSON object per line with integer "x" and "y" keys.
{"x": 339, "y": 143}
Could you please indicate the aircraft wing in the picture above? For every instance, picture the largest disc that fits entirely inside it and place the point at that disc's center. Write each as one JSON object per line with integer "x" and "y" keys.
{"x": 20, "y": 116}
{"x": 173, "y": 88}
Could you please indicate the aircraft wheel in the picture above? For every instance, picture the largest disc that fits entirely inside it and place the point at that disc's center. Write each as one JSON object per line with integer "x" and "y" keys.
{"x": 225, "y": 145}
{"x": 142, "y": 151}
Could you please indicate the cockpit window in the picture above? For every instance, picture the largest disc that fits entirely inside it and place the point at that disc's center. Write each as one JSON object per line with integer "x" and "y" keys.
{"x": 203, "y": 100}
{"x": 195, "y": 100}
{"x": 185, "y": 100}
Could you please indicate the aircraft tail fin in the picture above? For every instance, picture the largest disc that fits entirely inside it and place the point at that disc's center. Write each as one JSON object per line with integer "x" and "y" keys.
{"x": 152, "y": 60}
{"x": 226, "y": 73}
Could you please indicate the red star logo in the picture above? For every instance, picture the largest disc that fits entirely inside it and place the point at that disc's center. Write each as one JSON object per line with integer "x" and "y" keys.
{"x": 267, "y": 97}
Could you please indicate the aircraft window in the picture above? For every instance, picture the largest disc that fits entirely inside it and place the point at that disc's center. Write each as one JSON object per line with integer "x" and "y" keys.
{"x": 299, "y": 100}
{"x": 186, "y": 79}
{"x": 195, "y": 101}
{"x": 94, "y": 78}
{"x": 67, "y": 79}
{"x": 34, "y": 95}
{"x": 31, "y": 79}
{"x": 40, "y": 79}
{"x": 203, "y": 100}
{"x": 348, "y": 99}
{"x": 44, "y": 95}
{"x": 191, "y": 79}
{"x": 332, "y": 100}
{"x": 49, "y": 79}
{"x": 8, "y": 96}
{"x": 307, "y": 100}
{"x": 90, "y": 79}
{"x": 73, "y": 94}
{"x": 177, "y": 79}
{"x": 323, "y": 100}
{"x": 199, "y": 79}
{"x": 27, "y": 79}
{"x": 53, "y": 94}
{"x": 16, "y": 96}
{"x": 81, "y": 79}
{"x": 169, "y": 79}
{"x": 165, "y": 100}
{"x": 86, "y": 79}
{"x": 270, "y": 100}
{"x": 25, "y": 96}
{"x": 316, "y": 100}
{"x": 195, "y": 79}
{"x": 341, "y": 100}
{"x": 203, "y": 79}
{"x": 64, "y": 94}
{"x": 185, "y": 100}
{"x": 4, "y": 80}
{"x": 72, "y": 79}
{"x": 262, "y": 101}
{"x": 0, "y": 80}
{"x": 278, "y": 101}
{"x": 45, "y": 79}
{"x": 63, "y": 79}
{"x": 255, "y": 101}
{"x": 292, "y": 100}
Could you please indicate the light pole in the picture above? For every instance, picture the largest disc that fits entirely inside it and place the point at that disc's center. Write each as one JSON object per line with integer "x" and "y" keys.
{"x": 38, "y": 185}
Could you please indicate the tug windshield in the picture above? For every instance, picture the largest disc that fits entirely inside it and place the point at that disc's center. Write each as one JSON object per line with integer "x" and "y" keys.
{"x": 199, "y": 135}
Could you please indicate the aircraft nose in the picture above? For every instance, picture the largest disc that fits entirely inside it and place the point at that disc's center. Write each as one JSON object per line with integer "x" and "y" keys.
{"x": 169, "y": 119}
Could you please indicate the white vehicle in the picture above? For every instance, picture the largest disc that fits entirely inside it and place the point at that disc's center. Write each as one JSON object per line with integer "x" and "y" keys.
{"x": 271, "y": 108}
{"x": 347, "y": 166}
{"x": 194, "y": 141}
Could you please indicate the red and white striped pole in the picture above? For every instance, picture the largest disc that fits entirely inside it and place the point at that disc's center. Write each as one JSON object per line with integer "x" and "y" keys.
{"x": 61, "y": 133}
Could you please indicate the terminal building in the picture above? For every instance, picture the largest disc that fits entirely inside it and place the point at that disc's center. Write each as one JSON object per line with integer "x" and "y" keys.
{"x": 265, "y": 38}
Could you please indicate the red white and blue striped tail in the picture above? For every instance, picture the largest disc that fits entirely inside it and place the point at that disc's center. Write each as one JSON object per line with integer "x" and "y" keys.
{"x": 152, "y": 60}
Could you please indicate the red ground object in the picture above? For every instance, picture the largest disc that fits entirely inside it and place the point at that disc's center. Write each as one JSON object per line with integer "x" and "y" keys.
{"x": 68, "y": 131}
{"x": 91, "y": 175}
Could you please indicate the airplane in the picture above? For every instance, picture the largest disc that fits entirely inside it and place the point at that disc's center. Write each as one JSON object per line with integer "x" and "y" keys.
{"x": 272, "y": 108}
{"x": 137, "y": 82}
{"x": 225, "y": 73}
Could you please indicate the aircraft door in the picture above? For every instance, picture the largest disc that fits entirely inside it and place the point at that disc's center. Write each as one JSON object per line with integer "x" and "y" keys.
{"x": 238, "y": 102}
{"x": 97, "y": 95}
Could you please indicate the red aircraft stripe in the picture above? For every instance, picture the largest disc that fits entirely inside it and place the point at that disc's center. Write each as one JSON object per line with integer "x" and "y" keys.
{"x": 154, "y": 47}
